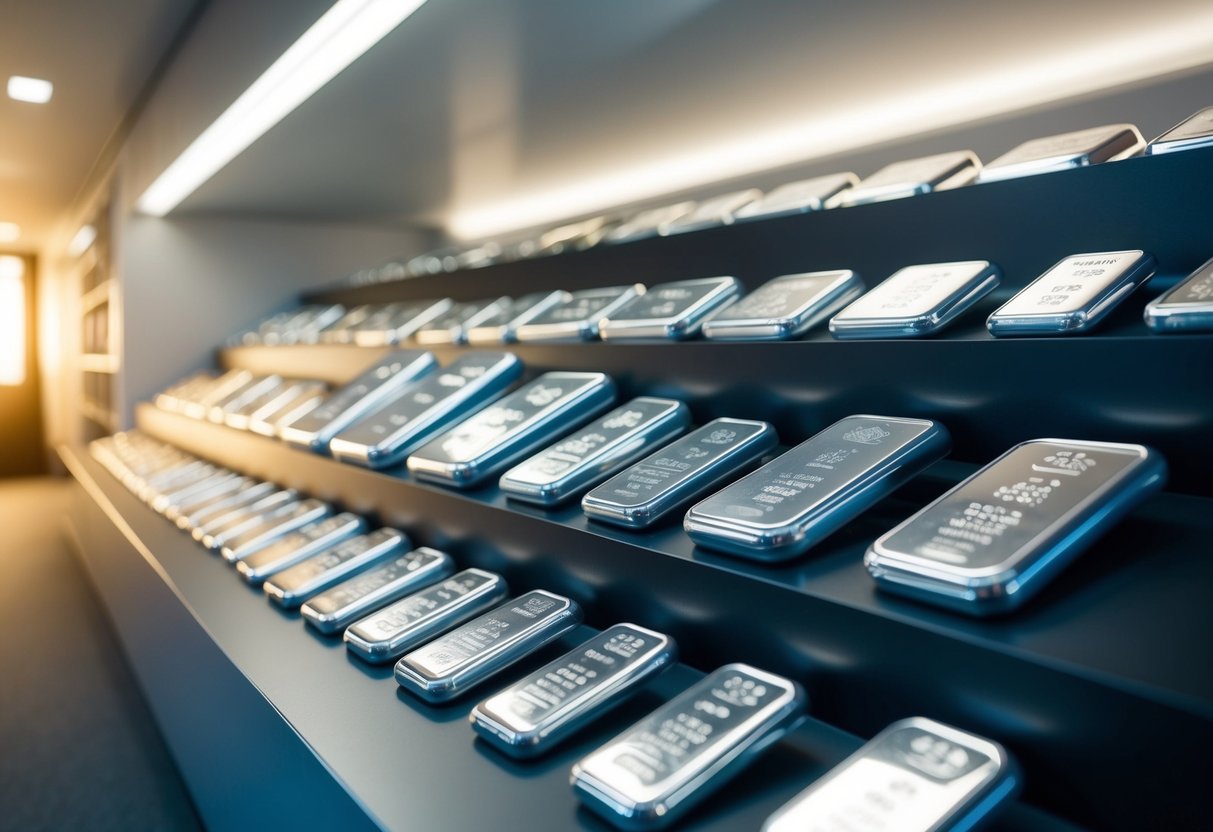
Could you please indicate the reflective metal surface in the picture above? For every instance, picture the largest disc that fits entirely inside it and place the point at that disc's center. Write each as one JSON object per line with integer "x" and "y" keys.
{"x": 786, "y": 307}
{"x": 240, "y": 518}
{"x": 917, "y": 775}
{"x": 578, "y": 316}
{"x": 1185, "y": 307}
{"x": 451, "y": 327}
{"x": 274, "y": 525}
{"x": 671, "y": 310}
{"x": 916, "y": 300}
{"x": 502, "y": 326}
{"x": 390, "y": 633}
{"x": 648, "y": 223}
{"x": 463, "y": 658}
{"x": 1067, "y": 150}
{"x": 296, "y": 399}
{"x": 719, "y": 210}
{"x": 299, "y": 545}
{"x": 1194, "y": 131}
{"x": 791, "y": 503}
{"x": 334, "y": 608}
{"x": 799, "y": 197}
{"x": 915, "y": 176}
{"x": 673, "y": 476}
{"x": 295, "y": 584}
{"x": 1074, "y": 295}
{"x": 651, "y": 774}
{"x": 511, "y": 428}
{"x": 568, "y": 468}
{"x": 249, "y": 491}
{"x": 396, "y": 323}
{"x": 533, "y": 715}
{"x": 996, "y": 539}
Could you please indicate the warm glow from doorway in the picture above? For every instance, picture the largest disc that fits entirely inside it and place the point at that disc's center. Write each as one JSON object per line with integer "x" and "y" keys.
{"x": 12, "y": 321}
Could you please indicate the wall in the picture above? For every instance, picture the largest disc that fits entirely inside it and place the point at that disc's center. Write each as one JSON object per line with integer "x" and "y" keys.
{"x": 20, "y": 406}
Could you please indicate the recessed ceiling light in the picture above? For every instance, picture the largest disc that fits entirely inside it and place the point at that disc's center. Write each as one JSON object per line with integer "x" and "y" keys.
{"x": 10, "y": 232}
{"x": 33, "y": 90}
{"x": 342, "y": 35}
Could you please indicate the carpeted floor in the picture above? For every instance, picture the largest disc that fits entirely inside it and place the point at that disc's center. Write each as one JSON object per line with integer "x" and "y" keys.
{"x": 78, "y": 748}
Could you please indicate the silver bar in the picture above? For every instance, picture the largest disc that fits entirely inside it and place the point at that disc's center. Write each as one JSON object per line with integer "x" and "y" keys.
{"x": 454, "y": 663}
{"x": 673, "y": 311}
{"x": 299, "y": 545}
{"x": 390, "y": 633}
{"x": 917, "y": 775}
{"x": 249, "y": 491}
{"x": 297, "y": 399}
{"x": 917, "y": 300}
{"x": 502, "y": 326}
{"x": 790, "y": 504}
{"x": 648, "y": 223}
{"x": 578, "y": 316}
{"x": 915, "y": 176}
{"x": 221, "y": 490}
{"x": 578, "y": 462}
{"x": 225, "y": 525}
{"x": 541, "y": 710}
{"x": 432, "y": 405}
{"x": 296, "y": 584}
{"x": 1074, "y": 295}
{"x": 184, "y": 490}
{"x": 993, "y": 541}
{"x": 219, "y": 411}
{"x": 786, "y": 307}
{"x": 451, "y": 327}
{"x": 342, "y": 332}
{"x": 574, "y": 236}
{"x": 1194, "y": 131}
{"x": 1185, "y": 307}
{"x": 222, "y": 387}
{"x": 274, "y": 525}
{"x": 398, "y": 322}
{"x": 251, "y": 522}
{"x": 242, "y": 416}
{"x": 375, "y": 387}
{"x": 815, "y": 194}
{"x": 513, "y": 427}
{"x": 655, "y": 771}
{"x": 712, "y": 212}
{"x": 673, "y": 476}
{"x": 335, "y": 608}
{"x": 1077, "y": 149}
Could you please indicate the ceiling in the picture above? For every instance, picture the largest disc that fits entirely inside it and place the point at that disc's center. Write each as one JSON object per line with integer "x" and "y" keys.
{"x": 99, "y": 56}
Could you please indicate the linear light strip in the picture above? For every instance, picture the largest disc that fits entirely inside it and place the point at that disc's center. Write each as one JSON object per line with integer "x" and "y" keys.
{"x": 1180, "y": 45}
{"x": 343, "y": 34}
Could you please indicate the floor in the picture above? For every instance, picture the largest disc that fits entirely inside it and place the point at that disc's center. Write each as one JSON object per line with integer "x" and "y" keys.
{"x": 78, "y": 748}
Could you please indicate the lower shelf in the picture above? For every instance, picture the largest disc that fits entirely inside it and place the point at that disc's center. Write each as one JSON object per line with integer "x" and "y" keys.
{"x": 274, "y": 724}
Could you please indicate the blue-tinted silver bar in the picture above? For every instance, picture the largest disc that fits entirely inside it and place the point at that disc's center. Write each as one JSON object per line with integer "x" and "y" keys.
{"x": 654, "y": 772}
{"x": 273, "y": 526}
{"x": 800, "y": 197}
{"x": 390, "y": 633}
{"x": 915, "y": 176}
{"x": 578, "y": 462}
{"x": 1077, "y": 149}
{"x": 223, "y": 527}
{"x": 673, "y": 311}
{"x": 502, "y": 326}
{"x": 917, "y": 775}
{"x": 451, "y": 327}
{"x": 511, "y": 428}
{"x": 720, "y": 210}
{"x": 1074, "y": 295}
{"x": 375, "y": 387}
{"x": 397, "y": 322}
{"x": 578, "y": 316}
{"x": 388, "y": 435}
{"x": 536, "y": 713}
{"x": 992, "y": 542}
{"x": 1185, "y": 307}
{"x": 793, "y": 502}
{"x": 299, "y": 545}
{"x": 335, "y": 608}
{"x": 916, "y": 300}
{"x": 1194, "y": 131}
{"x": 648, "y": 223}
{"x": 786, "y": 307}
{"x": 296, "y": 584}
{"x": 671, "y": 477}
{"x": 453, "y": 664}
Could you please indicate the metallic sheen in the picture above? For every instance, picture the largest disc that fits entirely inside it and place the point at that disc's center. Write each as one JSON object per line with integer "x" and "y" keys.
{"x": 916, "y": 300}
{"x": 786, "y": 307}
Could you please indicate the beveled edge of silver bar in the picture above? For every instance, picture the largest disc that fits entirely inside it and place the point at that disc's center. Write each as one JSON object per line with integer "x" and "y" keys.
{"x": 300, "y": 514}
{"x": 928, "y": 323}
{"x": 963, "y": 170}
{"x": 847, "y": 287}
{"x": 674, "y": 327}
{"x": 1164, "y": 316}
{"x": 1122, "y": 141}
{"x": 354, "y": 526}
{"x": 1162, "y": 145}
{"x": 295, "y": 598}
{"x": 485, "y": 336}
{"x": 582, "y": 329}
{"x": 827, "y": 198}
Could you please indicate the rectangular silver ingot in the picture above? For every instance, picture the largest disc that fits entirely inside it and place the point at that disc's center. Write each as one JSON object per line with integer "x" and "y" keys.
{"x": 916, "y": 300}
{"x": 241, "y": 417}
{"x": 576, "y": 463}
{"x": 187, "y": 490}
{"x": 941, "y": 172}
{"x": 502, "y": 326}
{"x": 454, "y": 663}
{"x": 655, "y": 771}
{"x": 814, "y": 194}
{"x": 335, "y": 608}
{"x": 536, "y": 713}
{"x": 1074, "y": 295}
{"x": 232, "y": 403}
{"x": 396, "y": 323}
{"x": 451, "y": 327}
{"x": 673, "y": 311}
{"x": 342, "y": 332}
{"x": 1185, "y": 307}
{"x": 1078, "y": 149}
{"x": 648, "y": 223}
{"x": 990, "y": 543}
{"x": 298, "y": 399}
{"x": 274, "y": 525}
{"x": 1194, "y": 131}
{"x": 578, "y": 316}
{"x": 229, "y": 484}
{"x": 793, "y": 502}
{"x": 299, "y": 545}
{"x": 512, "y": 428}
{"x": 375, "y": 387}
{"x": 675, "y": 475}
{"x": 249, "y": 492}
{"x": 786, "y": 307}
{"x": 223, "y": 529}
{"x": 386, "y": 437}
{"x": 712, "y": 212}
{"x": 296, "y": 584}
{"x": 917, "y": 775}
{"x": 387, "y": 635}
{"x": 221, "y": 388}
